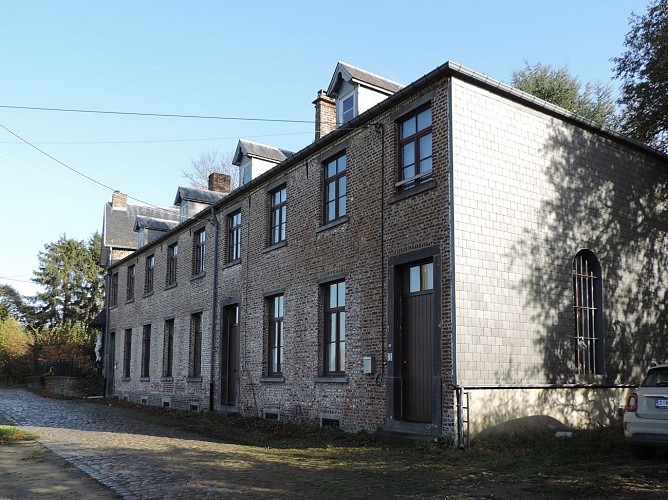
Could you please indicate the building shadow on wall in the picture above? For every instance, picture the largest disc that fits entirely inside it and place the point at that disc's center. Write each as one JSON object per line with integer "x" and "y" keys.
{"x": 613, "y": 202}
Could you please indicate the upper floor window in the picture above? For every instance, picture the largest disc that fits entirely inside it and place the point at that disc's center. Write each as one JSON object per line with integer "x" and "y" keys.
{"x": 587, "y": 302}
{"x": 183, "y": 211}
{"x": 347, "y": 108}
{"x": 335, "y": 188}
{"x": 278, "y": 212}
{"x": 148, "y": 274}
{"x": 234, "y": 236}
{"x": 113, "y": 292}
{"x": 415, "y": 149}
{"x": 199, "y": 249}
{"x": 335, "y": 328}
{"x": 275, "y": 335}
{"x": 172, "y": 255}
{"x": 130, "y": 288}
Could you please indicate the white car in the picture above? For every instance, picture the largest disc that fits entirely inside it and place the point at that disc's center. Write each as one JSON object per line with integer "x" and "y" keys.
{"x": 646, "y": 414}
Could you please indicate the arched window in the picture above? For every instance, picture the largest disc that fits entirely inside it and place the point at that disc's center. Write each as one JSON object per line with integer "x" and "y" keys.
{"x": 588, "y": 310}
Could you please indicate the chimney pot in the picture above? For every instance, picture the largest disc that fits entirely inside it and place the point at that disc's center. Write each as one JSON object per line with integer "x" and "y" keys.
{"x": 220, "y": 182}
{"x": 325, "y": 114}
{"x": 119, "y": 201}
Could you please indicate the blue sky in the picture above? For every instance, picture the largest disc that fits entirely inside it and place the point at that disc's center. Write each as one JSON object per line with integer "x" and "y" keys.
{"x": 252, "y": 59}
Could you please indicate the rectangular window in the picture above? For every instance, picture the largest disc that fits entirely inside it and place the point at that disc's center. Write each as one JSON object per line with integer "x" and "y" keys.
{"x": 275, "y": 335}
{"x": 130, "y": 289}
{"x": 199, "y": 249}
{"x": 195, "y": 365}
{"x": 335, "y": 328}
{"x": 168, "y": 350}
{"x": 172, "y": 255}
{"x": 234, "y": 236}
{"x": 148, "y": 274}
{"x": 335, "y": 188}
{"x": 415, "y": 149}
{"x": 127, "y": 353}
{"x": 347, "y": 108}
{"x": 113, "y": 292}
{"x": 278, "y": 206}
{"x": 146, "y": 351}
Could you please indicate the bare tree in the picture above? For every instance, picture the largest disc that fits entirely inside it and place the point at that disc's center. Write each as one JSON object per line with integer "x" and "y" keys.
{"x": 209, "y": 162}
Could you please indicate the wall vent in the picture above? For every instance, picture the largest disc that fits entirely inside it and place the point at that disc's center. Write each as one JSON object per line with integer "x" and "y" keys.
{"x": 144, "y": 400}
{"x": 194, "y": 407}
{"x": 330, "y": 420}
{"x": 271, "y": 414}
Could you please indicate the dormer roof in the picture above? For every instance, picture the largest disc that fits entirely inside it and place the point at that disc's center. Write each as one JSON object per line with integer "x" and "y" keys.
{"x": 164, "y": 225}
{"x": 261, "y": 151}
{"x": 118, "y": 225}
{"x": 197, "y": 195}
{"x": 347, "y": 73}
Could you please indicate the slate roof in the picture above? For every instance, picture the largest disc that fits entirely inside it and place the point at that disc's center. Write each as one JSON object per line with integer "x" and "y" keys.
{"x": 118, "y": 230}
{"x": 142, "y": 221}
{"x": 347, "y": 72}
{"x": 257, "y": 150}
{"x": 197, "y": 195}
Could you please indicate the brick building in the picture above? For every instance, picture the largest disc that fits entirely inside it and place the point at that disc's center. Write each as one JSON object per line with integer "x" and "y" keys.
{"x": 458, "y": 253}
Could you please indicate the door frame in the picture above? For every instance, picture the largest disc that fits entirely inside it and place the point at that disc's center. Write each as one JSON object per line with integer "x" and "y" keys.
{"x": 395, "y": 421}
{"x": 224, "y": 375}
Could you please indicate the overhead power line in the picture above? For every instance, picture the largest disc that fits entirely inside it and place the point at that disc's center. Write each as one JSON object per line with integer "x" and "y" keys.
{"x": 159, "y": 115}
{"x": 67, "y": 166}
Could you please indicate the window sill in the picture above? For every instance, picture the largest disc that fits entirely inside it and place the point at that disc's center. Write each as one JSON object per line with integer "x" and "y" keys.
{"x": 197, "y": 276}
{"x": 125, "y": 379}
{"x": 232, "y": 263}
{"x": 273, "y": 380}
{"x": 144, "y": 379}
{"x": 341, "y": 379}
{"x": 167, "y": 378}
{"x": 420, "y": 188}
{"x": 113, "y": 306}
{"x": 334, "y": 223}
{"x": 273, "y": 247}
{"x": 129, "y": 301}
{"x": 194, "y": 380}
{"x": 147, "y": 294}
{"x": 172, "y": 285}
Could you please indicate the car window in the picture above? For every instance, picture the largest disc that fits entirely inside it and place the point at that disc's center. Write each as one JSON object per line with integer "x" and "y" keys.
{"x": 657, "y": 377}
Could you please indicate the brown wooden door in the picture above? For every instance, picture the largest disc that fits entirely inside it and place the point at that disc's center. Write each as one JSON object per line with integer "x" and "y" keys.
{"x": 230, "y": 383}
{"x": 417, "y": 343}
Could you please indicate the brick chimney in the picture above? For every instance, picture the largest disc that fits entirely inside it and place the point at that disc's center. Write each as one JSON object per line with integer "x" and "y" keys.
{"x": 119, "y": 201}
{"x": 325, "y": 114}
{"x": 220, "y": 182}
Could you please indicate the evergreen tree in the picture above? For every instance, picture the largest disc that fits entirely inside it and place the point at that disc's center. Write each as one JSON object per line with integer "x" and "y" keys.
{"x": 72, "y": 284}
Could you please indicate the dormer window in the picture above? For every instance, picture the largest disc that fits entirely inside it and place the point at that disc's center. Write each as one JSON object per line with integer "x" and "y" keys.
{"x": 347, "y": 108}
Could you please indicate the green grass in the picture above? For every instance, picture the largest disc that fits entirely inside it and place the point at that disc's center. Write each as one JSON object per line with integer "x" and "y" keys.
{"x": 10, "y": 435}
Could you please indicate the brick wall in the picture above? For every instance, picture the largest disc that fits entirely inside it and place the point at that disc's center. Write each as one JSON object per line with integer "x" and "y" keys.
{"x": 356, "y": 249}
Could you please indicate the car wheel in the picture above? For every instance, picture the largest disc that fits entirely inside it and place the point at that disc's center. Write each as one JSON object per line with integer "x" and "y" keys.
{"x": 643, "y": 452}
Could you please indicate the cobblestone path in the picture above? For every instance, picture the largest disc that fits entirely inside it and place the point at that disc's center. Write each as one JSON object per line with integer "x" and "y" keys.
{"x": 137, "y": 459}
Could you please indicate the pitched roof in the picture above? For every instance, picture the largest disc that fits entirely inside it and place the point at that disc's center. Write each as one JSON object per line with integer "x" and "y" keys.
{"x": 198, "y": 195}
{"x": 118, "y": 228}
{"x": 142, "y": 221}
{"x": 347, "y": 72}
{"x": 257, "y": 150}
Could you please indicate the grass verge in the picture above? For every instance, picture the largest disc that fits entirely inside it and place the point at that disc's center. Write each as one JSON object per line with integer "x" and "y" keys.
{"x": 11, "y": 435}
